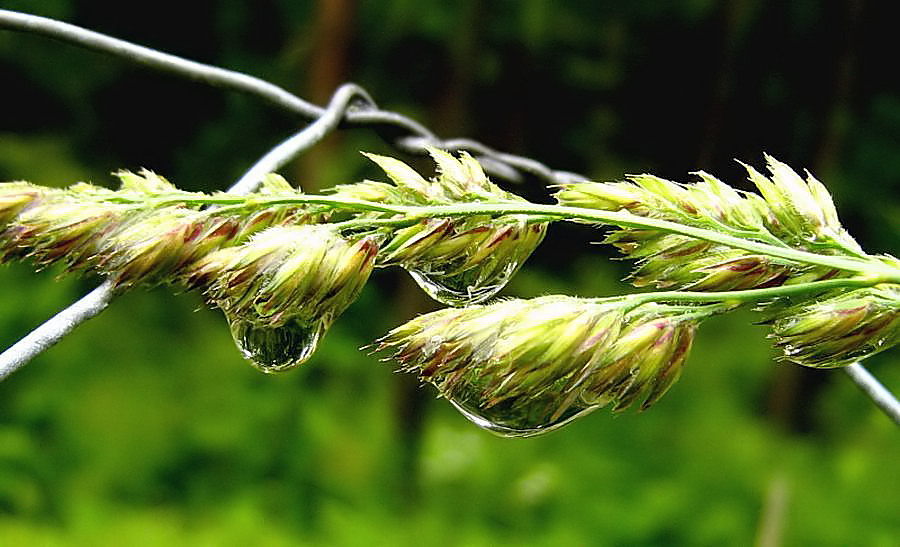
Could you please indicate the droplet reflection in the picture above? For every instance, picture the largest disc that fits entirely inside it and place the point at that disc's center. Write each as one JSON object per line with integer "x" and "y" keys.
{"x": 463, "y": 288}
{"x": 509, "y": 419}
{"x": 276, "y": 349}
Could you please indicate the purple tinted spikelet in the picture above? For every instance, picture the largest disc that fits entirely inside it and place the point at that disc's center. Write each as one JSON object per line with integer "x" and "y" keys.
{"x": 61, "y": 225}
{"x": 457, "y": 261}
{"x": 463, "y": 261}
{"x": 14, "y": 196}
{"x": 286, "y": 272}
{"x": 788, "y": 211}
{"x": 160, "y": 245}
{"x": 838, "y": 330}
{"x": 138, "y": 234}
{"x": 283, "y": 288}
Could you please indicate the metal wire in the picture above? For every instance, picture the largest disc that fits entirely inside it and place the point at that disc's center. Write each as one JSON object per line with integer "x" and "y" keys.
{"x": 879, "y": 394}
{"x": 349, "y": 106}
{"x": 347, "y": 96}
{"x": 55, "y": 328}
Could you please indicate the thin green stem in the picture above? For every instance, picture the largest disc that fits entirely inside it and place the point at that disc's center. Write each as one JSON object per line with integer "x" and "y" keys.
{"x": 752, "y": 295}
{"x": 368, "y": 223}
{"x": 258, "y": 202}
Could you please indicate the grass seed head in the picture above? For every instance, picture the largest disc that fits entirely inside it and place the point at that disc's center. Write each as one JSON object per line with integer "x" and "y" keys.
{"x": 839, "y": 330}
{"x": 287, "y": 273}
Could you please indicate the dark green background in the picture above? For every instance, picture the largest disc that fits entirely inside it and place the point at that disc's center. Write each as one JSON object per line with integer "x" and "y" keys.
{"x": 145, "y": 427}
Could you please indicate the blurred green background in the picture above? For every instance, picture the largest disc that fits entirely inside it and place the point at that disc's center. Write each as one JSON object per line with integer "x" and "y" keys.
{"x": 145, "y": 427}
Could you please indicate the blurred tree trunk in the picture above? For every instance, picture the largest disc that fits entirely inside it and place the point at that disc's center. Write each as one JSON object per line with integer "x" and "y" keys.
{"x": 452, "y": 109}
{"x": 411, "y": 398}
{"x": 795, "y": 389}
{"x": 332, "y": 35}
{"x": 736, "y": 16}
{"x": 840, "y": 111}
{"x": 329, "y": 67}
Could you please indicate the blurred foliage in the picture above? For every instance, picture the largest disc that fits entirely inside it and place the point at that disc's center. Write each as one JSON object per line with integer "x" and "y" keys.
{"x": 145, "y": 427}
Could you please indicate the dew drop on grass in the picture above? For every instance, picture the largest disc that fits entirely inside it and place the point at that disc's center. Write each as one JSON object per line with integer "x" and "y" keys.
{"x": 512, "y": 419}
{"x": 464, "y": 288}
{"x": 276, "y": 349}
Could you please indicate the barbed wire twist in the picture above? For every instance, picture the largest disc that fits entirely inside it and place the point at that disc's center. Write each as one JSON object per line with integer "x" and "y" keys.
{"x": 349, "y": 106}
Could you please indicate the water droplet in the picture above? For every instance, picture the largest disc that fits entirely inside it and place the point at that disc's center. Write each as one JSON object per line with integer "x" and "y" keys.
{"x": 276, "y": 349}
{"x": 463, "y": 288}
{"x": 511, "y": 418}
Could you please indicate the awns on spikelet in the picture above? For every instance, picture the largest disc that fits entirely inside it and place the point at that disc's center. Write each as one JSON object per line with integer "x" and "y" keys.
{"x": 838, "y": 330}
{"x": 139, "y": 234}
{"x": 789, "y": 211}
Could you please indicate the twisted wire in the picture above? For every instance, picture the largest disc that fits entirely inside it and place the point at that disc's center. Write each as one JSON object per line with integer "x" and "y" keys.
{"x": 413, "y": 136}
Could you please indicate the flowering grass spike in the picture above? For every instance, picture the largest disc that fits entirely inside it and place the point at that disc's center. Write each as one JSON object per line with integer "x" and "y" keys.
{"x": 284, "y": 265}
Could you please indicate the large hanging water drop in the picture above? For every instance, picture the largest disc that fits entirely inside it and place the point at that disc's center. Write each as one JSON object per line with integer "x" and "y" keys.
{"x": 512, "y": 418}
{"x": 276, "y": 349}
